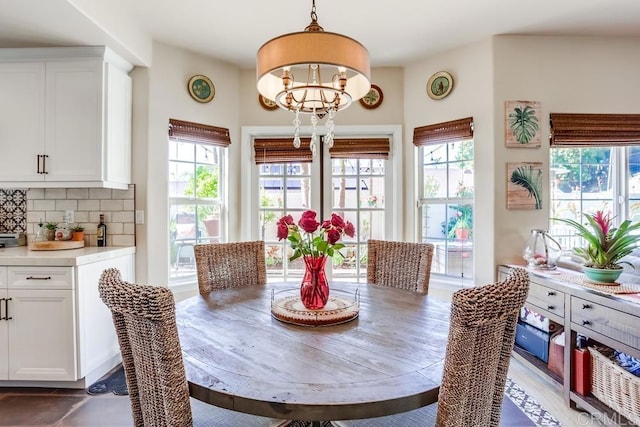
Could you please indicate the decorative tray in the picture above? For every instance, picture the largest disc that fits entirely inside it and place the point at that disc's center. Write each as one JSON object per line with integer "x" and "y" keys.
{"x": 341, "y": 307}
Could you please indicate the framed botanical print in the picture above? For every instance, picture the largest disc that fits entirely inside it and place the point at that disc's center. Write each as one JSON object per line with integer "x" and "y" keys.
{"x": 522, "y": 124}
{"x": 524, "y": 185}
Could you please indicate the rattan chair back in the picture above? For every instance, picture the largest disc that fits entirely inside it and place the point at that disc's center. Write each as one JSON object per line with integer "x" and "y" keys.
{"x": 145, "y": 322}
{"x": 230, "y": 265}
{"x": 481, "y": 337}
{"x": 403, "y": 265}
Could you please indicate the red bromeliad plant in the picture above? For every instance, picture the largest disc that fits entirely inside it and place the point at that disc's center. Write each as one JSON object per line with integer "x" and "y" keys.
{"x": 606, "y": 244}
{"x": 312, "y": 238}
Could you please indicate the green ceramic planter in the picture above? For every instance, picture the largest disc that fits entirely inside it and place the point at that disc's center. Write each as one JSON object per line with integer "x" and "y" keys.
{"x": 601, "y": 275}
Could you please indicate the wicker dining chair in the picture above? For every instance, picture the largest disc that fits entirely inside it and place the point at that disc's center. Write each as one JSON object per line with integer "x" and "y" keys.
{"x": 145, "y": 323}
{"x": 481, "y": 336}
{"x": 403, "y": 265}
{"x": 230, "y": 265}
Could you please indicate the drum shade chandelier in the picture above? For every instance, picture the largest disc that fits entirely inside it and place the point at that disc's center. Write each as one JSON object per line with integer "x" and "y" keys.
{"x": 313, "y": 72}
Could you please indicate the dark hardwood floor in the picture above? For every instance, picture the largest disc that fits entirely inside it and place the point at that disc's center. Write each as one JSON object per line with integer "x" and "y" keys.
{"x": 62, "y": 408}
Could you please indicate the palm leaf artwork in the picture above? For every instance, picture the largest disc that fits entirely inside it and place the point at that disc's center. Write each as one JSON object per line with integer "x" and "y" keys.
{"x": 530, "y": 179}
{"x": 524, "y": 124}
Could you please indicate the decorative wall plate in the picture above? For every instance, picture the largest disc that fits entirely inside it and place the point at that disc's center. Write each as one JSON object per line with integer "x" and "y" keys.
{"x": 201, "y": 88}
{"x": 439, "y": 85}
{"x": 373, "y": 98}
{"x": 266, "y": 103}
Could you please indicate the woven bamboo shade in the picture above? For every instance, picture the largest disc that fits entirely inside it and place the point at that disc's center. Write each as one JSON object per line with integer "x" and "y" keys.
{"x": 440, "y": 133}
{"x": 195, "y": 132}
{"x": 580, "y": 130}
{"x": 360, "y": 148}
{"x": 281, "y": 150}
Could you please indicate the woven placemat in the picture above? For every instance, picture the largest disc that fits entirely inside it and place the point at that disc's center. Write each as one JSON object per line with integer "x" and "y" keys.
{"x": 607, "y": 288}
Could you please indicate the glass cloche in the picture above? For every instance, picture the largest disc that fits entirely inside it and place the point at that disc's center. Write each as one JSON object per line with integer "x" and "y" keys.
{"x": 541, "y": 251}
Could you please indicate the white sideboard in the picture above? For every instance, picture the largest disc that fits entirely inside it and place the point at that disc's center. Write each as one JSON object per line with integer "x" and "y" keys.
{"x": 611, "y": 320}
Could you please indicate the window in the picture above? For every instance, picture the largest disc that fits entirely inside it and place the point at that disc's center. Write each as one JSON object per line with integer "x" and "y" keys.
{"x": 584, "y": 180}
{"x": 291, "y": 181}
{"x": 594, "y": 165}
{"x": 358, "y": 195}
{"x": 446, "y": 184}
{"x": 196, "y": 188}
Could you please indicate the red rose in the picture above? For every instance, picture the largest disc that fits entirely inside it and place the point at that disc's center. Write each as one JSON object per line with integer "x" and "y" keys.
{"x": 287, "y": 219}
{"x": 333, "y": 236}
{"x": 337, "y": 221}
{"x": 308, "y": 222}
{"x": 349, "y": 229}
{"x": 283, "y": 230}
{"x": 326, "y": 224}
{"x": 283, "y": 226}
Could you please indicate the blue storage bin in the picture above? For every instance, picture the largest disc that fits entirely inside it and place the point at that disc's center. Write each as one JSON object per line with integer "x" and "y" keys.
{"x": 533, "y": 340}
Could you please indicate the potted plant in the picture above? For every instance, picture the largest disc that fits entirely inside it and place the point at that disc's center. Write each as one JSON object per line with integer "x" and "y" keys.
{"x": 606, "y": 245}
{"x": 460, "y": 226}
{"x": 77, "y": 233}
{"x": 50, "y": 230}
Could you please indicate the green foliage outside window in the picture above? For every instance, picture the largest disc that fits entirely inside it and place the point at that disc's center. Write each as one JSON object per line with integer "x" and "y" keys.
{"x": 205, "y": 185}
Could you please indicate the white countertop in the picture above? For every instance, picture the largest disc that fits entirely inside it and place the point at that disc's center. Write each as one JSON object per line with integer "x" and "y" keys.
{"x": 22, "y": 256}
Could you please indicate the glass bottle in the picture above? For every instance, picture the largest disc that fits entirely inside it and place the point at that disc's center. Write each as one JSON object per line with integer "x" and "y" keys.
{"x": 541, "y": 251}
{"x": 102, "y": 232}
{"x": 40, "y": 236}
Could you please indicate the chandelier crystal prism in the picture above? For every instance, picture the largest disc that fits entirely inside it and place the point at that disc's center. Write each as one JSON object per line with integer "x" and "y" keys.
{"x": 313, "y": 72}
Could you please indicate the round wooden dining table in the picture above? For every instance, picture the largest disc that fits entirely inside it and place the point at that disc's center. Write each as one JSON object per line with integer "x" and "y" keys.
{"x": 387, "y": 360}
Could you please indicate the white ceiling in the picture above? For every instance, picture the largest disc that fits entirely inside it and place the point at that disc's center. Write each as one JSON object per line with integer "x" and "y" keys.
{"x": 394, "y": 32}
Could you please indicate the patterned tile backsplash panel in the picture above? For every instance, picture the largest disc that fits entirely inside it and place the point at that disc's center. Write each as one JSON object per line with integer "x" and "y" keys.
{"x": 22, "y": 210}
{"x": 13, "y": 211}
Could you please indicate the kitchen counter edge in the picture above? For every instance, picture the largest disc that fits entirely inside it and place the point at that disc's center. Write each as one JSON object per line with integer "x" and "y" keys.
{"x": 22, "y": 256}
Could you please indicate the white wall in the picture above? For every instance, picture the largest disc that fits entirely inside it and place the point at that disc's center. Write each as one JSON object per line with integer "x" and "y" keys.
{"x": 567, "y": 75}
{"x": 168, "y": 98}
{"x": 471, "y": 96}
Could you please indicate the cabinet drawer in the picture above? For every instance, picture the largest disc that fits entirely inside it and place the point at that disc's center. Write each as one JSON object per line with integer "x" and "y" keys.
{"x": 611, "y": 323}
{"x": 546, "y": 298}
{"x": 40, "y": 278}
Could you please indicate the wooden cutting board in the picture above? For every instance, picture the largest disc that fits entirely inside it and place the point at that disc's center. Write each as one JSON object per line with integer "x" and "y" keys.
{"x": 56, "y": 245}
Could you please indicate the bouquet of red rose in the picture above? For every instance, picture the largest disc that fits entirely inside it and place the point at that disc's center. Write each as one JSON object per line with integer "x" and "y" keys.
{"x": 310, "y": 237}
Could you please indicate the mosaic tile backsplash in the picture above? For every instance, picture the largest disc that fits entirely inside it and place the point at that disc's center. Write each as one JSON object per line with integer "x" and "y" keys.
{"x": 13, "y": 211}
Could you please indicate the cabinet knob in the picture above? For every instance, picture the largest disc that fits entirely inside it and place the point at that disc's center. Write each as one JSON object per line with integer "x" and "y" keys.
{"x": 586, "y": 306}
{"x": 38, "y": 278}
{"x": 551, "y": 293}
{"x": 586, "y": 322}
{"x": 551, "y": 307}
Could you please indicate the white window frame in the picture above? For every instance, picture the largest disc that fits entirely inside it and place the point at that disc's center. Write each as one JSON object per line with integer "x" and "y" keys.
{"x": 393, "y": 182}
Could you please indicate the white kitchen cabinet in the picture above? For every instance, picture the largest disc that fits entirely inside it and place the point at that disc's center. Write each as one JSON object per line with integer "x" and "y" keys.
{"x": 4, "y": 324}
{"x": 98, "y": 343}
{"x": 41, "y": 331}
{"x": 66, "y": 118}
{"x": 59, "y": 332}
{"x": 21, "y": 120}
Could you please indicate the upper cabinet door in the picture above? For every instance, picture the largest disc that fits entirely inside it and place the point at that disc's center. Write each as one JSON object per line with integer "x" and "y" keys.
{"x": 74, "y": 138}
{"x": 22, "y": 109}
{"x": 118, "y": 126}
